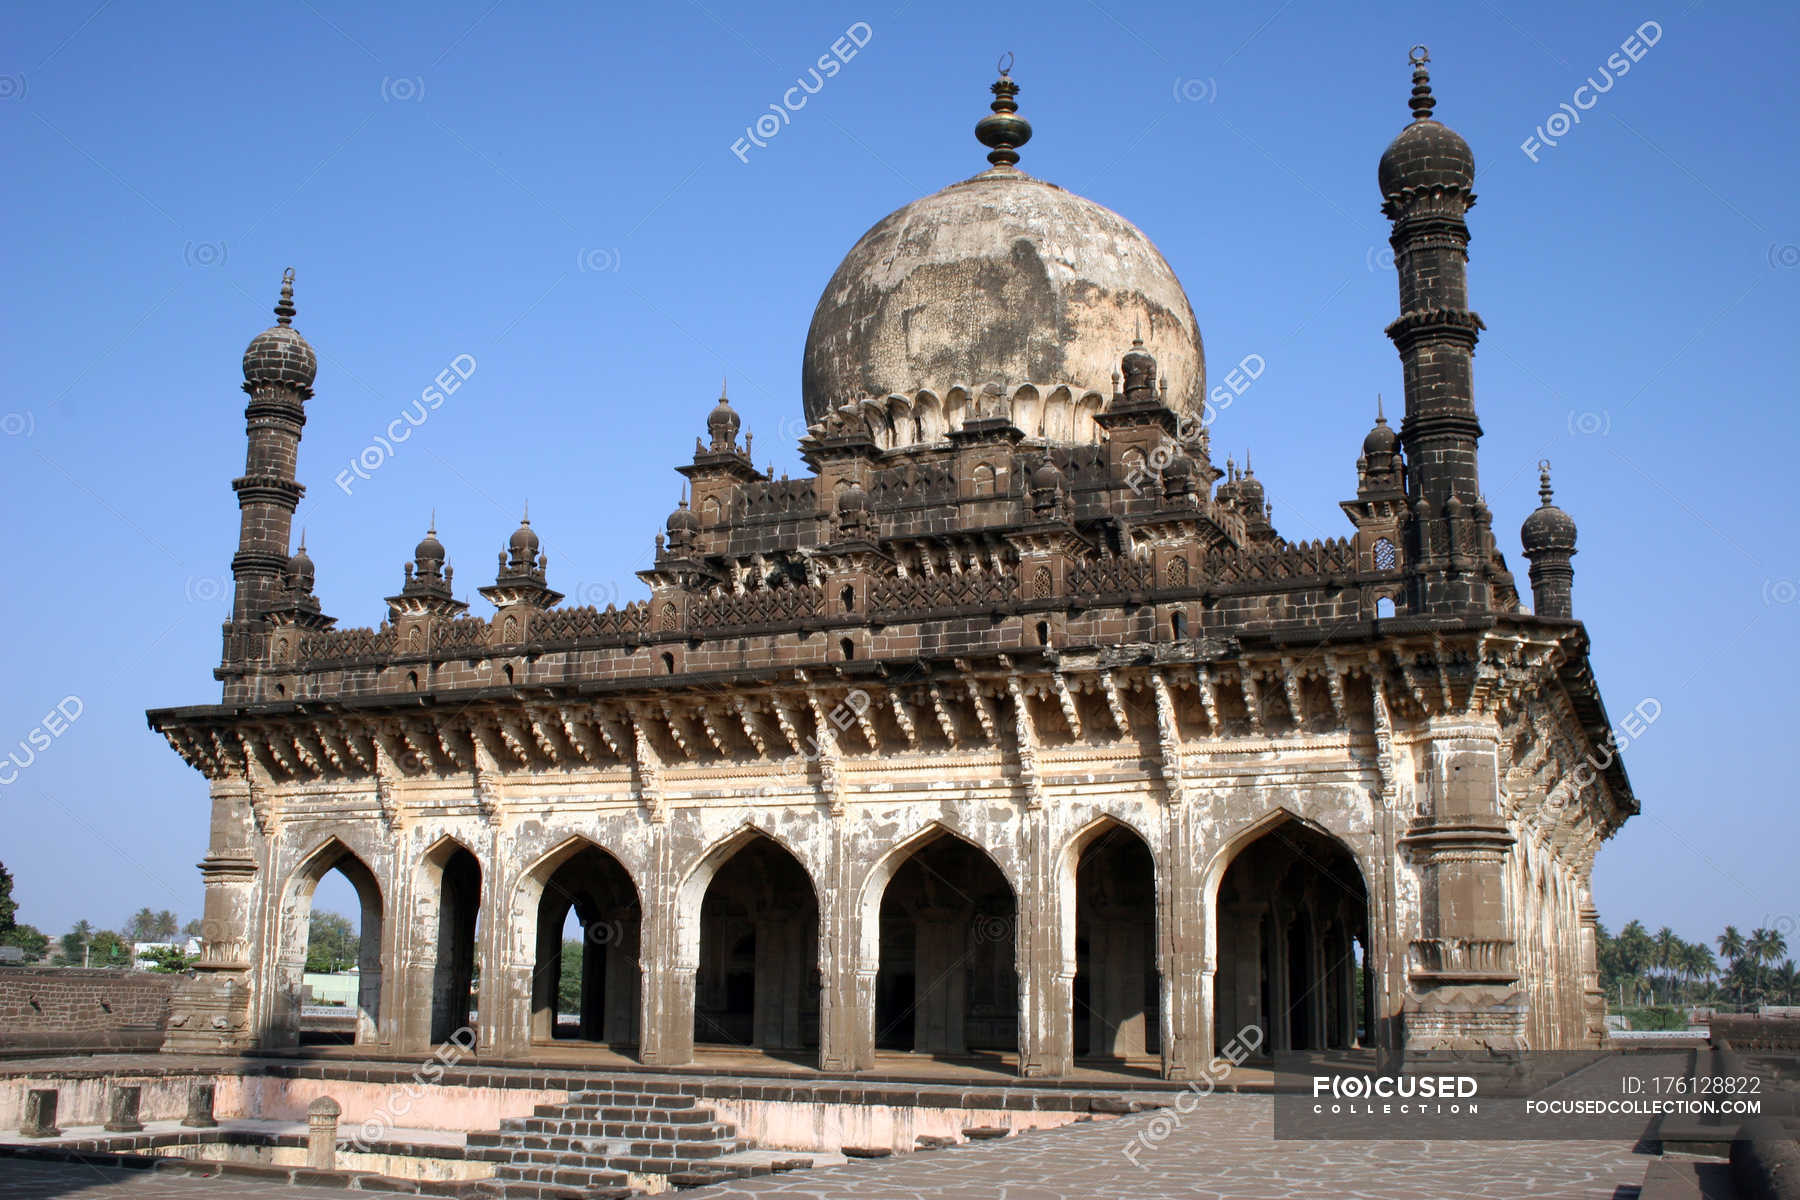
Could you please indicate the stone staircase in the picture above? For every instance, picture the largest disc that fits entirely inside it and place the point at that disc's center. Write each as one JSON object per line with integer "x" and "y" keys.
{"x": 590, "y": 1144}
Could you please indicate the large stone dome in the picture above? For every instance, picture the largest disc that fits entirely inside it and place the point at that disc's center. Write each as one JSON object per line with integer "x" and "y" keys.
{"x": 1000, "y": 289}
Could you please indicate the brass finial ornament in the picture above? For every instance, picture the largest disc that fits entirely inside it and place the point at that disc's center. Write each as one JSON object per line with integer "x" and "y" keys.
{"x": 1005, "y": 130}
{"x": 1421, "y": 102}
{"x": 284, "y": 308}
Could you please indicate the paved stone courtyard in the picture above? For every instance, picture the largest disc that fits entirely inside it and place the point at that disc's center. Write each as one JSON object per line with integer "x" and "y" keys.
{"x": 1224, "y": 1149}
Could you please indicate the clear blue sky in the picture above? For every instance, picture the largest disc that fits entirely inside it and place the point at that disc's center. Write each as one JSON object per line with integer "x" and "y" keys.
{"x": 553, "y": 192}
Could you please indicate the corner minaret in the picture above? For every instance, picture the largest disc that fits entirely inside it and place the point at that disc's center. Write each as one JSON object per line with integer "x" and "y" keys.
{"x": 1427, "y": 175}
{"x": 1549, "y": 538}
{"x": 279, "y": 367}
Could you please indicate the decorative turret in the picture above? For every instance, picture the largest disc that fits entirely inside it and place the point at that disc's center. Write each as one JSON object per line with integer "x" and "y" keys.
{"x": 1549, "y": 538}
{"x": 428, "y": 589}
{"x": 683, "y": 525}
{"x": 723, "y": 424}
{"x": 520, "y": 579}
{"x": 279, "y": 368}
{"x": 298, "y": 605}
{"x": 1426, "y": 176}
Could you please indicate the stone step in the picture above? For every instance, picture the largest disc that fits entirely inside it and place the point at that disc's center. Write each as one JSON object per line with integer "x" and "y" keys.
{"x": 615, "y": 1104}
{"x": 632, "y": 1130}
{"x": 599, "y": 1151}
{"x": 620, "y": 1127}
{"x": 560, "y": 1175}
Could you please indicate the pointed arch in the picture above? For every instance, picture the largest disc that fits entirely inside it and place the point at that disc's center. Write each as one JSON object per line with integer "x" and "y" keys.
{"x": 1108, "y": 880}
{"x": 582, "y": 877}
{"x": 940, "y": 923}
{"x": 930, "y": 415}
{"x": 900, "y": 420}
{"x": 747, "y": 917}
{"x": 956, "y": 408}
{"x": 1290, "y": 904}
{"x": 1086, "y": 409}
{"x": 1059, "y": 415}
{"x": 333, "y": 853}
{"x": 1028, "y": 411}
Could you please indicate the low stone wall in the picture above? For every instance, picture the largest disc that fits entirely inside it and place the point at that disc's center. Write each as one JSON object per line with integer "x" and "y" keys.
{"x": 1749, "y": 1032}
{"x": 47, "y": 1009}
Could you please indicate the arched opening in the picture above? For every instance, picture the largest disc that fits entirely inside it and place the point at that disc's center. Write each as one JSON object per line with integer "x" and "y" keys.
{"x": 848, "y": 595}
{"x": 332, "y": 954}
{"x": 758, "y": 978}
{"x": 585, "y": 979}
{"x": 453, "y": 880}
{"x": 1293, "y": 926}
{"x": 1043, "y": 633}
{"x": 947, "y": 982}
{"x": 1116, "y": 987}
{"x": 668, "y": 663}
{"x": 1178, "y": 627}
{"x": 848, "y": 647}
{"x": 1384, "y": 608}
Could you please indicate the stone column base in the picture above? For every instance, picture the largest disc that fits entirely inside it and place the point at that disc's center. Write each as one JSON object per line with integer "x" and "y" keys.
{"x": 1465, "y": 1018}
{"x": 209, "y": 1014}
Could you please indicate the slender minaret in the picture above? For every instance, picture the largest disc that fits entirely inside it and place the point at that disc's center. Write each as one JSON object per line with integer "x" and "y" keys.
{"x": 1427, "y": 175}
{"x": 279, "y": 368}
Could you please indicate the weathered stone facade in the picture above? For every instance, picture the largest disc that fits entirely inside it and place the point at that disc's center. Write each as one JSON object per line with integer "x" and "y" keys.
{"x": 1014, "y": 727}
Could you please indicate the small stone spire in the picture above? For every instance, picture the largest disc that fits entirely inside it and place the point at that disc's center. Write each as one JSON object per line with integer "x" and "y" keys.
{"x": 1544, "y": 492}
{"x": 1005, "y": 130}
{"x": 284, "y": 307}
{"x": 1421, "y": 102}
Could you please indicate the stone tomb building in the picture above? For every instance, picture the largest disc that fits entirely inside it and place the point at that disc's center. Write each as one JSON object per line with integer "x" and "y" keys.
{"x": 1012, "y": 729}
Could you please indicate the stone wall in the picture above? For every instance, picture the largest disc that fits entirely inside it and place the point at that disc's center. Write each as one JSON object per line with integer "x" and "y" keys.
{"x": 79, "y": 1009}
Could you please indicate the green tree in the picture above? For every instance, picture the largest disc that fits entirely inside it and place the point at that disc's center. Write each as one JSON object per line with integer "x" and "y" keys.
{"x": 1637, "y": 952}
{"x": 108, "y": 949}
{"x": 331, "y": 943}
{"x": 74, "y": 944}
{"x": 28, "y": 938}
{"x": 8, "y": 906}
{"x": 169, "y": 960}
{"x": 194, "y": 928}
{"x": 568, "y": 987}
{"x": 1663, "y": 958}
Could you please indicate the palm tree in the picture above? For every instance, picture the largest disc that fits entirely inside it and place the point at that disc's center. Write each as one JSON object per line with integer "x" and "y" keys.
{"x": 1664, "y": 958}
{"x": 1786, "y": 981}
{"x": 1765, "y": 946}
{"x": 1637, "y": 953}
{"x": 1731, "y": 947}
{"x": 1699, "y": 963}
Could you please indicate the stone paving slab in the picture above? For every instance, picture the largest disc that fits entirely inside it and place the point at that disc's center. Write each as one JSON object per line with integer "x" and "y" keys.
{"x": 1224, "y": 1149}
{"x": 22, "y": 1180}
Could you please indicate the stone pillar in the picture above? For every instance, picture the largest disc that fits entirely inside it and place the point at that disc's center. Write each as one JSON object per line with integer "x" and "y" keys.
{"x": 321, "y": 1133}
{"x": 1046, "y": 980}
{"x": 210, "y": 1012}
{"x": 667, "y": 1038}
{"x": 1464, "y": 992}
{"x": 1275, "y": 951}
{"x": 847, "y": 983}
{"x": 503, "y": 997}
{"x": 1188, "y": 944}
{"x": 40, "y": 1114}
{"x": 122, "y": 1110}
{"x": 1345, "y": 966}
{"x": 200, "y": 1108}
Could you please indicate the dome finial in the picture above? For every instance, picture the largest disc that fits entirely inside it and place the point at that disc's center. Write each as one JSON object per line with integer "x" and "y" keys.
{"x": 432, "y": 527}
{"x": 1544, "y": 480}
{"x": 526, "y": 519}
{"x": 1380, "y": 416}
{"x": 1421, "y": 102}
{"x": 1005, "y": 131}
{"x": 284, "y": 308}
